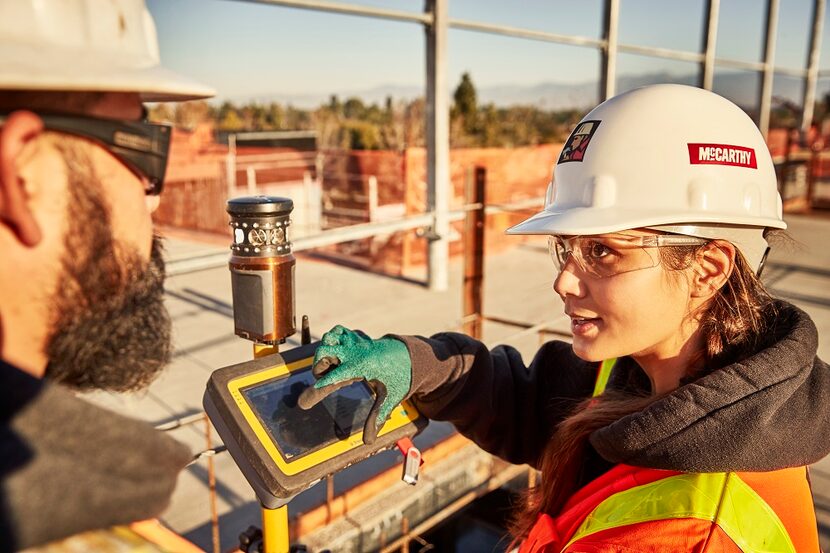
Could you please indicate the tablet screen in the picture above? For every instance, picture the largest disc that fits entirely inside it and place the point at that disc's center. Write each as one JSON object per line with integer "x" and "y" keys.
{"x": 297, "y": 431}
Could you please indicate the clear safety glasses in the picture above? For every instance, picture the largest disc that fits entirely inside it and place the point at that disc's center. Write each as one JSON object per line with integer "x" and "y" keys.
{"x": 606, "y": 255}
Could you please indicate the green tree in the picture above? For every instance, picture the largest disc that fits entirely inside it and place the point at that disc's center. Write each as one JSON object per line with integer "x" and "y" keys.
{"x": 413, "y": 123}
{"x": 274, "y": 116}
{"x": 335, "y": 105}
{"x": 231, "y": 121}
{"x": 354, "y": 108}
{"x": 190, "y": 114}
{"x": 465, "y": 103}
{"x": 492, "y": 128}
{"x": 297, "y": 119}
{"x": 784, "y": 113}
{"x": 362, "y": 135}
{"x": 161, "y": 113}
{"x": 223, "y": 110}
{"x": 392, "y": 125}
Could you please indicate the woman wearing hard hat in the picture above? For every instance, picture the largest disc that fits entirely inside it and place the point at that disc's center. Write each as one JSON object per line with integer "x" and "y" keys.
{"x": 684, "y": 413}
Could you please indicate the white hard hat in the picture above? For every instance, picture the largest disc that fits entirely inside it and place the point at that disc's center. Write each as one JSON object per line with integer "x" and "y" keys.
{"x": 86, "y": 45}
{"x": 661, "y": 155}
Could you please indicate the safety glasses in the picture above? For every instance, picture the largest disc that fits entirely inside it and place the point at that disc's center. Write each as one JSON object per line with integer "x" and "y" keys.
{"x": 606, "y": 255}
{"x": 143, "y": 147}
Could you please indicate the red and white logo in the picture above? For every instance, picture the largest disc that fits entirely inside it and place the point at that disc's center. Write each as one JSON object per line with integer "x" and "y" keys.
{"x": 577, "y": 144}
{"x": 722, "y": 154}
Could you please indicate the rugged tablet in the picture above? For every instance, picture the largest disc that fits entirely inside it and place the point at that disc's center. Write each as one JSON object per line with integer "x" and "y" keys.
{"x": 281, "y": 448}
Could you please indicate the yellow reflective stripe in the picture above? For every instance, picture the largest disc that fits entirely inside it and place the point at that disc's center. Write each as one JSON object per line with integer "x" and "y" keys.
{"x": 722, "y": 498}
{"x": 603, "y": 375}
{"x": 749, "y": 521}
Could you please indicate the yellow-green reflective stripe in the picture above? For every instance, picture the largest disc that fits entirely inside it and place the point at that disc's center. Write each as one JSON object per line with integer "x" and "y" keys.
{"x": 722, "y": 498}
{"x": 603, "y": 375}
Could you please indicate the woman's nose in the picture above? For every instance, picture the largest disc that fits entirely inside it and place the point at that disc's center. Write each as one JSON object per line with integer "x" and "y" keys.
{"x": 567, "y": 282}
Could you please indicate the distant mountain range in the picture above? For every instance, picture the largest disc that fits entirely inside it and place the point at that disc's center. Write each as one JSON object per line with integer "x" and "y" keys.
{"x": 741, "y": 88}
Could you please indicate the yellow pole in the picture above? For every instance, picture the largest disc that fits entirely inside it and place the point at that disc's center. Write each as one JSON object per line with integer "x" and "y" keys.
{"x": 274, "y": 521}
{"x": 275, "y": 530}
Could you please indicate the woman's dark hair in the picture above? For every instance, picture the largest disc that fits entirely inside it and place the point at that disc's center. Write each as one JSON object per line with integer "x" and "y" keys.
{"x": 732, "y": 325}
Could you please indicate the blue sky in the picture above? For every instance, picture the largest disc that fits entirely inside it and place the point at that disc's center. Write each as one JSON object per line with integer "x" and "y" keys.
{"x": 247, "y": 49}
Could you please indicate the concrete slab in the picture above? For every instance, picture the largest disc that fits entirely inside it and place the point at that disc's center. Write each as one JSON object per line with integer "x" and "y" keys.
{"x": 518, "y": 285}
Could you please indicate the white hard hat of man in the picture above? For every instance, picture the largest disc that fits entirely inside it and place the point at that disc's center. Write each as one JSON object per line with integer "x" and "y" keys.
{"x": 87, "y": 45}
{"x": 673, "y": 158}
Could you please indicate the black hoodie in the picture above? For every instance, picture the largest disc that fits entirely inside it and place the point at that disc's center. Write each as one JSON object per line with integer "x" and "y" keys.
{"x": 769, "y": 411}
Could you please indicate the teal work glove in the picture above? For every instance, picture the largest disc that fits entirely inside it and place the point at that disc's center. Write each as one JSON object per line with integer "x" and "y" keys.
{"x": 345, "y": 357}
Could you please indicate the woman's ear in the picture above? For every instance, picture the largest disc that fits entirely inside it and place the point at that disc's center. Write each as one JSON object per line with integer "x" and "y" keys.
{"x": 15, "y": 210}
{"x": 713, "y": 266}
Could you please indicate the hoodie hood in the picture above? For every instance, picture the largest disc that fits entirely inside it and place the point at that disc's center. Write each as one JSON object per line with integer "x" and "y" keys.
{"x": 767, "y": 412}
{"x": 67, "y": 466}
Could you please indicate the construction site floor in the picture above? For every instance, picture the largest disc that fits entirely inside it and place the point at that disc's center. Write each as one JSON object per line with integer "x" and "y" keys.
{"x": 517, "y": 285}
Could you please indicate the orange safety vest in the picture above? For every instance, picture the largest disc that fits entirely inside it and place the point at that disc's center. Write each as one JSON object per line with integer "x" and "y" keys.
{"x": 647, "y": 510}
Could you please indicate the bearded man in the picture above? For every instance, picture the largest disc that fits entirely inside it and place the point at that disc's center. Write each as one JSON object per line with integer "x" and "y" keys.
{"x": 81, "y": 280}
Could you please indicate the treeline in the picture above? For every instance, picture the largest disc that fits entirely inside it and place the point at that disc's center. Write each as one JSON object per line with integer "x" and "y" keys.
{"x": 395, "y": 125}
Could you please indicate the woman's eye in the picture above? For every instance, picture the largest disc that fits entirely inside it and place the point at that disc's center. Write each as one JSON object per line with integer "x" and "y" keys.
{"x": 597, "y": 250}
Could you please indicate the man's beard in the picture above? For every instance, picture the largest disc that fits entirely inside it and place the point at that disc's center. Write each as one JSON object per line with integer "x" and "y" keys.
{"x": 110, "y": 330}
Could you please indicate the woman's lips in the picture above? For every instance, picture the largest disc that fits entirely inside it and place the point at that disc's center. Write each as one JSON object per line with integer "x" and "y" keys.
{"x": 581, "y": 326}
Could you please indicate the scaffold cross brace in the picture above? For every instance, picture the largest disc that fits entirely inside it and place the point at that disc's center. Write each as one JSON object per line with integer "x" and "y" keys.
{"x": 412, "y": 460}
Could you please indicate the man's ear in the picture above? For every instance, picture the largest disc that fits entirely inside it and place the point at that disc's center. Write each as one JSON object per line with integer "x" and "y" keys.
{"x": 714, "y": 264}
{"x": 15, "y": 211}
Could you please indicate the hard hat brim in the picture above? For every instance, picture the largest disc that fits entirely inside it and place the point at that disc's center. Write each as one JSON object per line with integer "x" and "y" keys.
{"x": 25, "y": 69}
{"x": 591, "y": 220}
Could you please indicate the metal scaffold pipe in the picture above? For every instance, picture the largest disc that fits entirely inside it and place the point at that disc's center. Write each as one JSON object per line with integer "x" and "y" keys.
{"x": 349, "y": 9}
{"x": 517, "y": 32}
{"x": 710, "y": 37}
{"x": 202, "y": 262}
{"x": 608, "y": 78}
{"x": 438, "y": 145}
{"x": 813, "y": 56}
{"x": 765, "y": 100}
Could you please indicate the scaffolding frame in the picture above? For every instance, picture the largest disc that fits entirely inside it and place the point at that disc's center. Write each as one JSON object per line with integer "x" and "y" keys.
{"x": 436, "y": 22}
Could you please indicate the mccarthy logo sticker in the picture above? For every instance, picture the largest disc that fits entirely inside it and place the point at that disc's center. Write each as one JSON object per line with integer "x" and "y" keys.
{"x": 577, "y": 143}
{"x": 722, "y": 154}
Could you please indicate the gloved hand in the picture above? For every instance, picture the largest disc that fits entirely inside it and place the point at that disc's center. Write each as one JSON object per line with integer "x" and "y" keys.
{"x": 345, "y": 357}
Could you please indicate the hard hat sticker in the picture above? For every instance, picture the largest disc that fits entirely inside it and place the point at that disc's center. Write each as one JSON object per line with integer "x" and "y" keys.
{"x": 577, "y": 143}
{"x": 722, "y": 154}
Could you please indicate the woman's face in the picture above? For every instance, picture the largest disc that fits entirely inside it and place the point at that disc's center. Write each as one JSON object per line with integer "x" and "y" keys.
{"x": 642, "y": 311}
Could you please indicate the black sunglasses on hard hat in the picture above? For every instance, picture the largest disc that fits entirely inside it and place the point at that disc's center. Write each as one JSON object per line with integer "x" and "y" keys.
{"x": 142, "y": 146}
